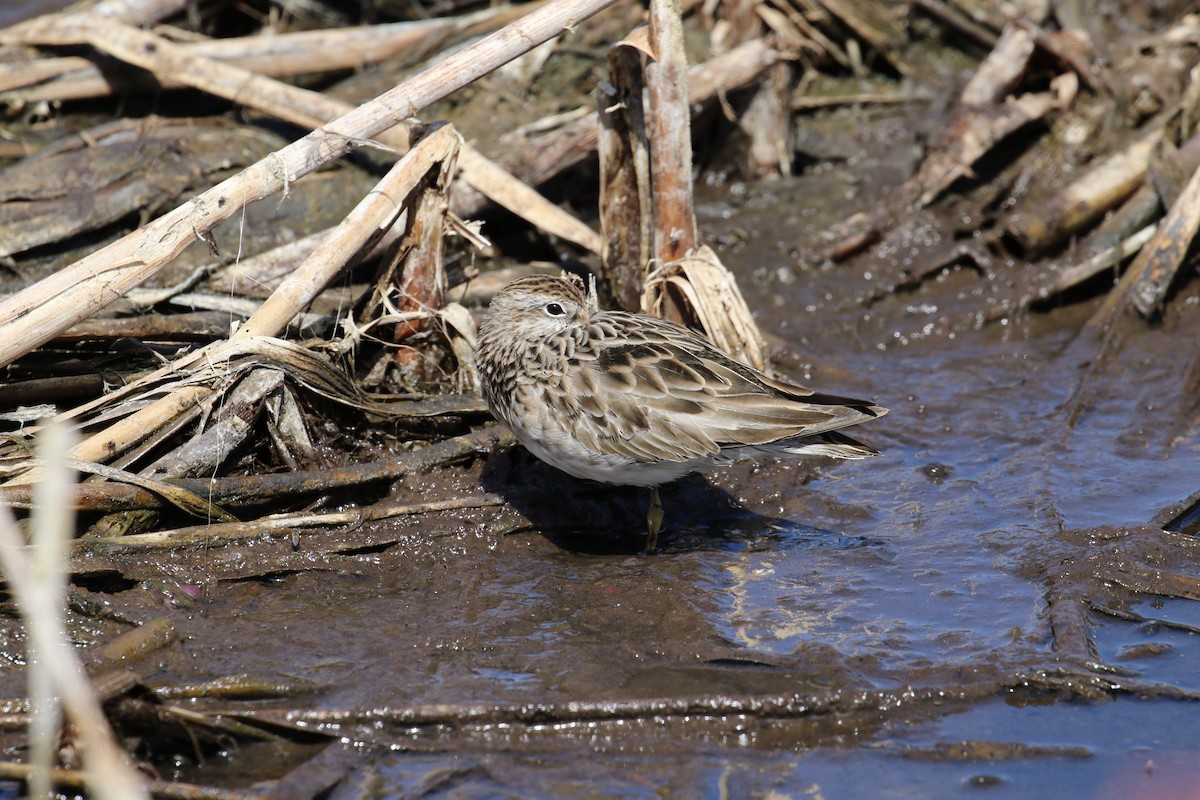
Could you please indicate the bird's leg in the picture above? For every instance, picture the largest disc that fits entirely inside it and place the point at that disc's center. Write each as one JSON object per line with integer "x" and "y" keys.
{"x": 654, "y": 518}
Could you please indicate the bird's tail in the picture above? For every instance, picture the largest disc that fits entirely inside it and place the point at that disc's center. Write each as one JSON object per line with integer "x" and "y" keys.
{"x": 832, "y": 444}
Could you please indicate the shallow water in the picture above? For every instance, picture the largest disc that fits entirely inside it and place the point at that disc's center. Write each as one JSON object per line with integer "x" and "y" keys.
{"x": 14, "y": 11}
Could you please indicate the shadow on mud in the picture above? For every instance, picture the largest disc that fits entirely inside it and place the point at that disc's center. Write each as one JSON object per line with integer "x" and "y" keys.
{"x": 589, "y": 518}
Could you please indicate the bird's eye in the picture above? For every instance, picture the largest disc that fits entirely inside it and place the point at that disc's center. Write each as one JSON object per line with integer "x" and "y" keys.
{"x": 554, "y": 310}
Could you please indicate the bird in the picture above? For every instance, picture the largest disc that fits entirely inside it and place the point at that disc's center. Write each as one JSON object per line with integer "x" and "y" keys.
{"x": 630, "y": 399}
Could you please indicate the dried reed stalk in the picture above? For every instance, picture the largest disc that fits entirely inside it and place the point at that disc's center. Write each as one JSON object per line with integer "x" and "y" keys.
{"x": 422, "y": 283}
{"x": 369, "y": 220}
{"x": 646, "y": 198}
{"x": 670, "y": 135}
{"x": 550, "y": 154}
{"x": 1158, "y": 263}
{"x": 40, "y": 590}
{"x": 625, "y": 209}
{"x": 1086, "y": 199}
{"x": 274, "y": 55}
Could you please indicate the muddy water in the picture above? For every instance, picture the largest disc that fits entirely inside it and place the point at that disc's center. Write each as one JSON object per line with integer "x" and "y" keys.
{"x": 928, "y": 567}
{"x": 923, "y": 568}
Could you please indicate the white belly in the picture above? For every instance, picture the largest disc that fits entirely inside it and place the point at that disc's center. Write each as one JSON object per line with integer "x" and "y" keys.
{"x": 559, "y": 451}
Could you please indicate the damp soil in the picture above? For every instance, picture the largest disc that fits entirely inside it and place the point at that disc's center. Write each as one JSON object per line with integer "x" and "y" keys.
{"x": 928, "y": 595}
{"x": 920, "y": 580}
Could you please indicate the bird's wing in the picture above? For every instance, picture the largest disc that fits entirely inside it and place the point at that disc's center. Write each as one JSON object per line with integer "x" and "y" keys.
{"x": 651, "y": 390}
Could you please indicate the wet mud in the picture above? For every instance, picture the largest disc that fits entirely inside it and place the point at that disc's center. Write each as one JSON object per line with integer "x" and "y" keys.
{"x": 1004, "y": 600}
{"x": 958, "y": 613}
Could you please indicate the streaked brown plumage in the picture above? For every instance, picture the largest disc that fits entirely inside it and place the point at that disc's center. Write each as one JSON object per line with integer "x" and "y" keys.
{"x": 635, "y": 400}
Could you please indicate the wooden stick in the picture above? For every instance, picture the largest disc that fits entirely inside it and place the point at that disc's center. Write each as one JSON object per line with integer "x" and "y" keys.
{"x": 670, "y": 135}
{"x": 1104, "y": 185}
{"x": 36, "y": 314}
{"x": 275, "y": 55}
{"x": 625, "y": 208}
{"x": 1158, "y": 263}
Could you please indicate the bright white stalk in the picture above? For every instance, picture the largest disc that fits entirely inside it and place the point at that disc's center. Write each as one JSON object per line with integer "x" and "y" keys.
{"x": 51, "y": 521}
{"x": 54, "y": 667}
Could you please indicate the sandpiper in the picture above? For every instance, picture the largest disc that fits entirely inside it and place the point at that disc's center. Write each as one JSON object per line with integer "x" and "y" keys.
{"x": 634, "y": 400}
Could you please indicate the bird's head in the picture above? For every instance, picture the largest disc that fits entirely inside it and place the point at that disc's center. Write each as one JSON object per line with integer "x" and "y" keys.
{"x": 538, "y": 307}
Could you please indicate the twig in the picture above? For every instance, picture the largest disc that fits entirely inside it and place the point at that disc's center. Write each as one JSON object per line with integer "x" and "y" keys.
{"x": 222, "y": 533}
{"x": 133, "y": 644}
{"x": 1157, "y": 264}
{"x": 165, "y": 790}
